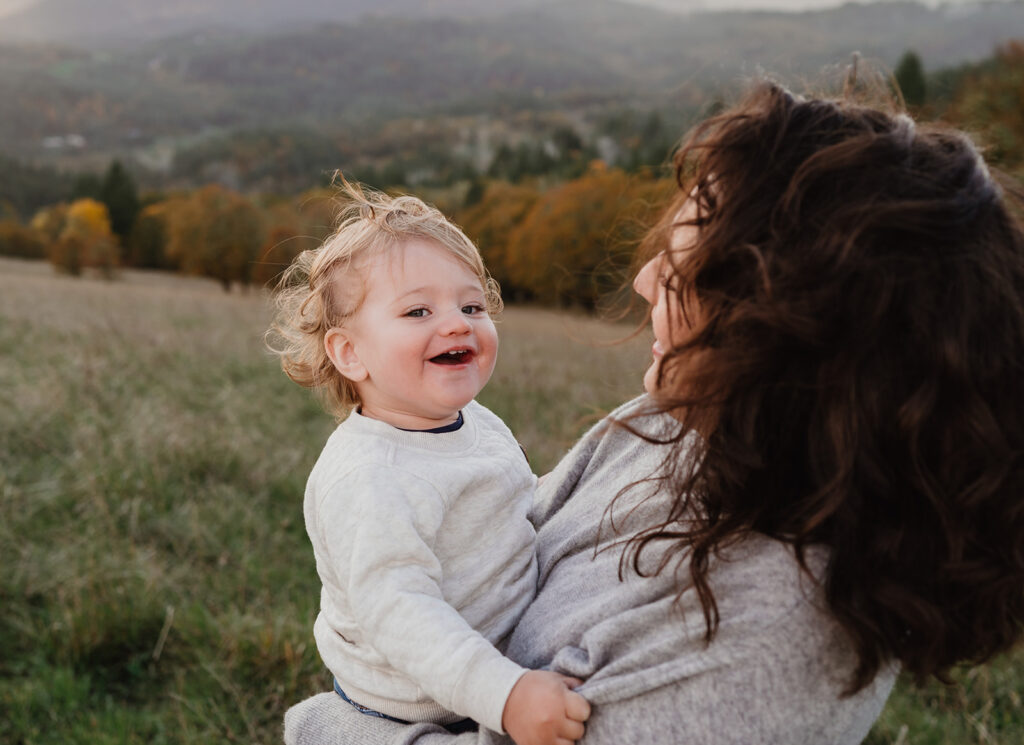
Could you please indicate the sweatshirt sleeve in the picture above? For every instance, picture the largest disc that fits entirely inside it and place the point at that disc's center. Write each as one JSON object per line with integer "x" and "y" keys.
{"x": 380, "y": 535}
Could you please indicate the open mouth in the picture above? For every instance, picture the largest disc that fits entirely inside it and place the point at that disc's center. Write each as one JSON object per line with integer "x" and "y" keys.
{"x": 453, "y": 357}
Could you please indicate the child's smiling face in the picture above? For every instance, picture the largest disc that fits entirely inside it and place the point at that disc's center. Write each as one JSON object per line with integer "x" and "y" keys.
{"x": 421, "y": 345}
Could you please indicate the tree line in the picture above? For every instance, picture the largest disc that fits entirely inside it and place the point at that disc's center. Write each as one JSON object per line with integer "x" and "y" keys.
{"x": 570, "y": 244}
{"x": 560, "y": 239}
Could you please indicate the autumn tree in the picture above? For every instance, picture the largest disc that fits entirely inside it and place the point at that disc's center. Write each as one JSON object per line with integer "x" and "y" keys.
{"x": 296, "y": 225}
{"x": 490, "y": 223}
{"x": 576, "y": 243}
{"x": 316, "y": 213}
{"x": 283, "y": 244}
{"x": 79, "y": 236}
{"x": 217, "y": 233}
{"x": 20, "y": 241}
{"x": 48, "y": 222}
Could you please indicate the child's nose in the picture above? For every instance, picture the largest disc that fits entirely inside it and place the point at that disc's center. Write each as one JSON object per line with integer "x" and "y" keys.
{"x": 455, "y": 322}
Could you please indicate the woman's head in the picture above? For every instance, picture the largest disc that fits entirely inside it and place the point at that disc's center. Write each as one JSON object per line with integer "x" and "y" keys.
{"x": 672, "y": 314}
{"x": 849, "y": 337}
{"x": 322, "y": 289}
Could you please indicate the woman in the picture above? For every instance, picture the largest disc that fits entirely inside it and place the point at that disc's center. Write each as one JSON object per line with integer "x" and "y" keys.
{"x": 826, "y": 482}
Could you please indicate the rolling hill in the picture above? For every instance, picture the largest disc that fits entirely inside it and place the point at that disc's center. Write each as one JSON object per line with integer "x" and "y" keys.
{"x": 571, "y": 55}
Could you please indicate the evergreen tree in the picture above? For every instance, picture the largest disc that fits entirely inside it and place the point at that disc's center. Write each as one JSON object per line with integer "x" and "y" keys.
{"x": 118, "y": 192}
{"x": 910, "y": 78}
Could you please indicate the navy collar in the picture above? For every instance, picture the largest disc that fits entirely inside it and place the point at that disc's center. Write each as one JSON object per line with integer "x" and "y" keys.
{"x": 438, "y": 430}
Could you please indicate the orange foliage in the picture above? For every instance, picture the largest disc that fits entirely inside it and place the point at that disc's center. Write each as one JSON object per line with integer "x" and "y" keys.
{"x": 283, "y": 244}
{"x": 215, "y": 232}
{"x": 18, "y": 240}
{"x": 297, "y": 226}
{"x": 576, "y": 243}
{"x": 490, "y": 224}
{"x": 316, "y": 213}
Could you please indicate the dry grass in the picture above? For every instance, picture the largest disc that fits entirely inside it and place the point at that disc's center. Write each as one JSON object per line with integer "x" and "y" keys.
{"x": 158, "y": 585}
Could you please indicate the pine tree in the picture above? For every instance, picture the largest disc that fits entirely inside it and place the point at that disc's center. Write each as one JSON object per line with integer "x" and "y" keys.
{"x": 118, "y": 192}
{"x": 910, "y": 78}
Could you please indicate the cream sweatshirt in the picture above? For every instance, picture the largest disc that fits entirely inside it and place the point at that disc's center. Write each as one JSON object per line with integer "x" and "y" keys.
{"x": 427, "y": 561}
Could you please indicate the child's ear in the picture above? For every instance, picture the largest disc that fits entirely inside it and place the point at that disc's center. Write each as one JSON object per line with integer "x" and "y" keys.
{"x": 342, "y": 353}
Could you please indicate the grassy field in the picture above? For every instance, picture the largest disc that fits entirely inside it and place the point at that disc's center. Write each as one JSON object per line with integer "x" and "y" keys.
{"x": 158, "y": 586}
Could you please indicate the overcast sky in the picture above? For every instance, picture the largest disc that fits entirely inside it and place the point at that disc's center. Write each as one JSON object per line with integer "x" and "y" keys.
{"x": 773, "y": 4}
{"x": 6, "y": 6}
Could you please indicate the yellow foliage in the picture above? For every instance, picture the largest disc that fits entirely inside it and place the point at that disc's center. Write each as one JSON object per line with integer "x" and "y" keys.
{"x": 79, "y": 236}
{"x": 89, "y": 220}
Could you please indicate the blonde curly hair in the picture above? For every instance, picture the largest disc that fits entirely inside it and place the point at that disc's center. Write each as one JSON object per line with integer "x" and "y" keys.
{"x": 324, "y": 287}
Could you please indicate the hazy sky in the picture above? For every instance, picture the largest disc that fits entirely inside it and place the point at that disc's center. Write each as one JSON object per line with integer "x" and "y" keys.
{"x": 6, "y": 6}
{"x": 772, "y": 4}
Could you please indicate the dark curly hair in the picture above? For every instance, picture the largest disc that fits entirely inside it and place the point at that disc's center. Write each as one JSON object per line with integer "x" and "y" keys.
{"x": 856, "y": 369}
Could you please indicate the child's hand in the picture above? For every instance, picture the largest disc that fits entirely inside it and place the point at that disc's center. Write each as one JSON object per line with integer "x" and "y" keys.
{"x": 542, "y": 709}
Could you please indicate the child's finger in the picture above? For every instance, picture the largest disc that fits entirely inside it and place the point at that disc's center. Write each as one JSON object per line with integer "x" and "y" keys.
{"x": 576, "y": 707}
{"x": 563, "y": 741}
{"x": 571, "y": 729}
{"x": 570, "y": 681}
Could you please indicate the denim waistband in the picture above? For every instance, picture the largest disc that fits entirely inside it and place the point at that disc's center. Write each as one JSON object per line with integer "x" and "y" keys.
{"x": 364, "y": 709}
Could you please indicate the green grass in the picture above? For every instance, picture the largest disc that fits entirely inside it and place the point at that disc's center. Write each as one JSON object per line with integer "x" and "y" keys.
{"x": 157, "y": 584}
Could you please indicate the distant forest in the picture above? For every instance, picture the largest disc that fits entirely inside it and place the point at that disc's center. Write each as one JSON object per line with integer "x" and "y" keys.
{"x": 428, "y": 100}
{"x": 213, "y": 154}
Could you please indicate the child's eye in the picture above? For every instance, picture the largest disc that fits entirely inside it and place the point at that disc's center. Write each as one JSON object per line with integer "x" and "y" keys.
{"x": 473, "y": 309}
{"x": 417, "y": 313}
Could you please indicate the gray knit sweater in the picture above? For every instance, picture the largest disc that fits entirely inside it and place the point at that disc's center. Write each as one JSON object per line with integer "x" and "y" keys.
{"x": 773, "y": 674}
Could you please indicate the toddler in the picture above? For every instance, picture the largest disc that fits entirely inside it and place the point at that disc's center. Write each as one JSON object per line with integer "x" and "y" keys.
{"x": 416, "y": 508}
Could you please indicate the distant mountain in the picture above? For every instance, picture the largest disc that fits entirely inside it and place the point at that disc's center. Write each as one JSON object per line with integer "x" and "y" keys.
{"x": 581, "y": 56}
{"x": 105, "y": 21}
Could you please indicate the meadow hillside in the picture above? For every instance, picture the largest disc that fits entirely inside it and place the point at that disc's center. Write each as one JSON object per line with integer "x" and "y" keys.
{"x": 158, "y": 586}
